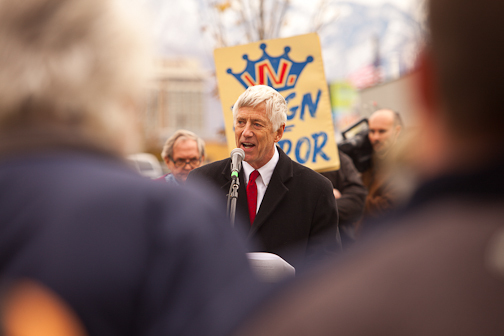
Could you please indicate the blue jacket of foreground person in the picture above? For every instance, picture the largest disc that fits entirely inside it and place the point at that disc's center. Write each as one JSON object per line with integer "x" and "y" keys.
{"x": 129, "y": 256}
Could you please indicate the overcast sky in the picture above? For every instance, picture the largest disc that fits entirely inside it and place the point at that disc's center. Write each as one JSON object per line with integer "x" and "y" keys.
{"x": 177, "y": 24}
{"x": 177, "y": 28}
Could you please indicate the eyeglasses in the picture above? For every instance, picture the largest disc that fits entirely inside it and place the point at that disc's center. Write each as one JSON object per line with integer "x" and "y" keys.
{"x": 179, "y": 163}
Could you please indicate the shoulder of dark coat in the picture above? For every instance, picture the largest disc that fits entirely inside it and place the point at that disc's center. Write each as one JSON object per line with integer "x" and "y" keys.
{"x": 310, "y": 176}
{"x": 214, "y": 167}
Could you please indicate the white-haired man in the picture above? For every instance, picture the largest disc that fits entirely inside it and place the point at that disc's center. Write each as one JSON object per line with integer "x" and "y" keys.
{"x": 125, "y": 255}
{"x": 182, "y": 152}
{"x": 294, "y": 213}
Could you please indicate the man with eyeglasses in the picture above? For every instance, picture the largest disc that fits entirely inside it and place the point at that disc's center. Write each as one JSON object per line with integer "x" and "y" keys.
{"x": 182, "y": 152}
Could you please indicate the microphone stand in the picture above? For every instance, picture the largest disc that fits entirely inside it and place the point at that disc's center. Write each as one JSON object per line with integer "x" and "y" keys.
{"x": 233, "y": 197}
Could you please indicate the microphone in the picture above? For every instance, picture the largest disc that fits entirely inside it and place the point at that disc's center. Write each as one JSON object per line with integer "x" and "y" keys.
{"x": 237, "y": 156}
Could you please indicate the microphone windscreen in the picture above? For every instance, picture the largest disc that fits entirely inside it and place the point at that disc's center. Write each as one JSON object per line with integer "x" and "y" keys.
{"x": 238, "y": 151}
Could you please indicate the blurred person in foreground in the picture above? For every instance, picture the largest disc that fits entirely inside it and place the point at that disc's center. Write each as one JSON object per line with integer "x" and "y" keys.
{"x": 384, "y": 129}
{"x": 439, "y": 269}
{"x": 293, "y": 211}
{"x": 125, "y": 256}
{"x": 31, "y": 309}
{"x": 182, "y": 152}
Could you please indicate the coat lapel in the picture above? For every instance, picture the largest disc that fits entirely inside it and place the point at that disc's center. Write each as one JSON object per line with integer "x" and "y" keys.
{"x": 275, "y": 192}
{"x": 226, "y": 177}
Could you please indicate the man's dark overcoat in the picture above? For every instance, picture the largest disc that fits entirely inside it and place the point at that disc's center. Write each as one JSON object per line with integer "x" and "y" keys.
{"x": 297, "y": 218}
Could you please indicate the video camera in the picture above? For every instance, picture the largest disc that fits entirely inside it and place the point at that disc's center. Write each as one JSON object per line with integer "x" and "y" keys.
{"x": 358, "y": 147}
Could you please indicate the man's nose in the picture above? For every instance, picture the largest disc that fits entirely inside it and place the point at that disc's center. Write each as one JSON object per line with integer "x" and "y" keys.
{"x": 247, "y": 131}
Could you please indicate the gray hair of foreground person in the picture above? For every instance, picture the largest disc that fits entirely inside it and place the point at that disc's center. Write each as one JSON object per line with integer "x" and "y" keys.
{"x": 276, "y": 106}
{"x": 76, "y": 65}
{"x": 182, "y": 134}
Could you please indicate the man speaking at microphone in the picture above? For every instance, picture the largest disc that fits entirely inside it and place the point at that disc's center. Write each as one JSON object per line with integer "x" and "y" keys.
{"x": 286, "y": 208}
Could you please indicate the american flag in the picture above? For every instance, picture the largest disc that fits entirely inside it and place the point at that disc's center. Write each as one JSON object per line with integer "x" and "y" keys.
{"x": 365, "y": 77}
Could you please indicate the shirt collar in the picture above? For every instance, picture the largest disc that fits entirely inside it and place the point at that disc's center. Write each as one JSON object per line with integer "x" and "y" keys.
{"x": 170, "y": 178}
{"x": 266, "y": 171}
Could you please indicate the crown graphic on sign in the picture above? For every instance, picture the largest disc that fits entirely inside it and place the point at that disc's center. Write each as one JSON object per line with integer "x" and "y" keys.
{"x": 281, "y": 73}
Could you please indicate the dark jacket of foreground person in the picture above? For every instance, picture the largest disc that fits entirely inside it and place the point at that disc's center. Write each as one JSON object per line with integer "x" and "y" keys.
{"x": 439, "y": 272}
{"x": 129, "y": 256}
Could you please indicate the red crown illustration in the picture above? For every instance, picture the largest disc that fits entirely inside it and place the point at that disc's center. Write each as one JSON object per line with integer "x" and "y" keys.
{"x": 281, "y": 73}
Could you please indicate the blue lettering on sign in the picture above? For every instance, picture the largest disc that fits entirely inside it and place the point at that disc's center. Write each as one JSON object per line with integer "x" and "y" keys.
{"x": 286, "y": 145}
{"x": 292, "y": 110}
{"x": 299, "y": 158}
{"x": 289, "y": 97}
{"x": 308, "y": 102}
{"x": 288, "y": 128}
{"x": 317, "y": 147}
{"x": 304, "y": 147}
{"x": 292, "y": 113}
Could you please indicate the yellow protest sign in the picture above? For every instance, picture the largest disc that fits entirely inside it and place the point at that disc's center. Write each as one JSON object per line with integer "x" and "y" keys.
{"x": 293, "y": 66}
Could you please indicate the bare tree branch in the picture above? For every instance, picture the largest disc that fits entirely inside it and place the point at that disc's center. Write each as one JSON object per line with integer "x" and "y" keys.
{"x": 255, "y": 19}
{"x": 261, "y": 27}
{"x": 248, "y": 26}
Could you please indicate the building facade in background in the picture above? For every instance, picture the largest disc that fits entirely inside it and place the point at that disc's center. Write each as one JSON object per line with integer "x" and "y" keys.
{"x": 176, "y": 100}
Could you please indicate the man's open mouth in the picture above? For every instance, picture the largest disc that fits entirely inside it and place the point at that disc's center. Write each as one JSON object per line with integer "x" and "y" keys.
{"x": 247, "y": 145}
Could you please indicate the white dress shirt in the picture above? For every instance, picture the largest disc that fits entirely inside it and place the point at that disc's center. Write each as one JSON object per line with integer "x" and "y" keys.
{"x": 264, "y": 178}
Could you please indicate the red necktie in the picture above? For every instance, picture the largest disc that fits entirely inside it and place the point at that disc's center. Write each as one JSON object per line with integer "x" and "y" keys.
{"x": 252, "y": 195}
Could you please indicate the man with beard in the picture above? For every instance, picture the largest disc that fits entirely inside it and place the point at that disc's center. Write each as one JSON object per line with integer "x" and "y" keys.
{"x": 384, "y": 129}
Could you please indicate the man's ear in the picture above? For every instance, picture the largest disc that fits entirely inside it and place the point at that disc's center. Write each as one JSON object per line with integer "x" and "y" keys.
{"x": 398, "y": 129}
{"x": 169, "y": 163}
{"x": 279, "y": 133}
